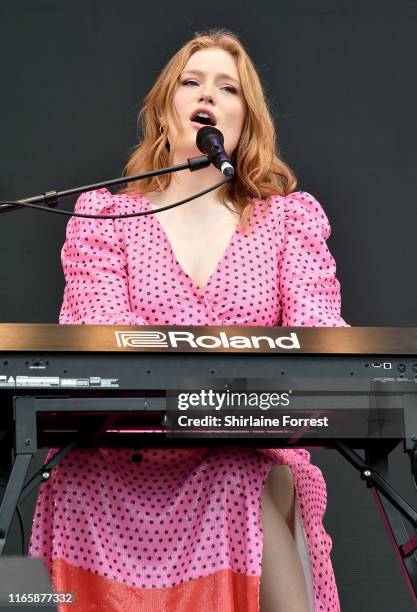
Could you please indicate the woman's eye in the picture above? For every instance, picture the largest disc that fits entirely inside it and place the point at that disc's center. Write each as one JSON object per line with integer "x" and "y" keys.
{"x": 230, "y": 89}
{"x": 192, "y": 83}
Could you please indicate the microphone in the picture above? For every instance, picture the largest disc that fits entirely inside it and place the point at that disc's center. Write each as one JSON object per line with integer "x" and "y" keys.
{"x": 210, "y": 141}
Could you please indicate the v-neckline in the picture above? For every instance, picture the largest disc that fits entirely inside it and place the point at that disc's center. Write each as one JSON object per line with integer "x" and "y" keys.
{"x": 175, "y": 258}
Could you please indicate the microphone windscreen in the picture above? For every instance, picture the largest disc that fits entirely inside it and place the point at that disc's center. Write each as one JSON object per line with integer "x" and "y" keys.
{"x": 202, "y": 134}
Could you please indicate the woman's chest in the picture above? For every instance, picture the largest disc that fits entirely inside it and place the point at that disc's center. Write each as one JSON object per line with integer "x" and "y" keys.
{"x": 198, "y": 249}
{"x": 232, "y": 271}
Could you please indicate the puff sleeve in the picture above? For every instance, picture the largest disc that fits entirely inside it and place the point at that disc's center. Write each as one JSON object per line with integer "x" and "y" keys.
{"x": 310, "y": 291}
{"x": 94, "y": 264}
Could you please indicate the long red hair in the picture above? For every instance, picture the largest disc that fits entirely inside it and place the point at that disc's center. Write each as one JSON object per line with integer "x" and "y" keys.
{"x": 260, "y": 172}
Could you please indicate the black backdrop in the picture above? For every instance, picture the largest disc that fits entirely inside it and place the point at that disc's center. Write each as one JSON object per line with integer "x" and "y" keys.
{"x": 341, "y": 80}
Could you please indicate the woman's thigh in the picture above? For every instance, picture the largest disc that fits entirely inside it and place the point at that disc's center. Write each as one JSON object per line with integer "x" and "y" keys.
{"x": 279, "y": 486}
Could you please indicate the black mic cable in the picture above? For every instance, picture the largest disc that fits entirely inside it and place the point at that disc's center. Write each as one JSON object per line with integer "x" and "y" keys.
{"x": 13, "y": 203}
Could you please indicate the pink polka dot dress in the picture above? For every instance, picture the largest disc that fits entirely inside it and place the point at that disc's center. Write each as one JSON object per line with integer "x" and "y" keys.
{"x": 180, "y": 531}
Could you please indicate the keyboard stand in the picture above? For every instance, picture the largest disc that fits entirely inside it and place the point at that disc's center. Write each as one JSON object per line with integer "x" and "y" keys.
{"x": 373, "y": 469}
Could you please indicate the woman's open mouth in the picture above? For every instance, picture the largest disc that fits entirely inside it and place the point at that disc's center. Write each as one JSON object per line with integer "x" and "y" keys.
{"x": 203, "y": 117}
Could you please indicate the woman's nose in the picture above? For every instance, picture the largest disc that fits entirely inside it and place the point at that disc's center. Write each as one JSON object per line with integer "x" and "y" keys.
{"x": 207, "y": 97}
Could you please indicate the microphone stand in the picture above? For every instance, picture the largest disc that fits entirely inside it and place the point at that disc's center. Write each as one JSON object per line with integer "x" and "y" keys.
{"x": 51, "y": 198}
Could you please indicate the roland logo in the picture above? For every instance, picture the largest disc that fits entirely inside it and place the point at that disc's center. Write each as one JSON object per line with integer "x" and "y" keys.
{"x": 184, "y": 339}
{"x": 178, "y": 339}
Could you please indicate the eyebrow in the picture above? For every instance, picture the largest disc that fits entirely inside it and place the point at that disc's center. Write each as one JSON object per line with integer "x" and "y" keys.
{"x": 222, "y": 75}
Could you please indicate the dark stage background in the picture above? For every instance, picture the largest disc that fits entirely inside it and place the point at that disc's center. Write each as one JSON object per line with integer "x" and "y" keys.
{"x": 341, "y": 80}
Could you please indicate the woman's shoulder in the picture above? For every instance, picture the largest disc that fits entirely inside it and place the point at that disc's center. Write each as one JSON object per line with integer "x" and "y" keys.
{"x": 296, "y": 200}
{"x": 299, "y": 207}
{"x": 102, "y": 201}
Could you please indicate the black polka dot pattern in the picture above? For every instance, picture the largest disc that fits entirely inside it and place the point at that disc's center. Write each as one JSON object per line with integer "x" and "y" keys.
{"x": 177, "y": 515}
{"x": 185, "y": 513}
{"x": 125, "y": 272}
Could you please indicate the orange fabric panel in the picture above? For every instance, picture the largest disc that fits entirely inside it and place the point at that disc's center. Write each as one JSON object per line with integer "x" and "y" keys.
{"x": 224, "y": 590}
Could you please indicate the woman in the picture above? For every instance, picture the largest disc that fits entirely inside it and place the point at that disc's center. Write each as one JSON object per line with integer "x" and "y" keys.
{"x": 195, "y": 529}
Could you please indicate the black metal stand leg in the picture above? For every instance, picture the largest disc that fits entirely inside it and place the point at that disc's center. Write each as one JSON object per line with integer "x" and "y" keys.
{"x": 43, "y": 473}
{"x": 12, "y": 494}
{"x": 24, "y": 409}
{"x": 392, "y": 507}
{"x": 373, "y": 478}
{"x": 399, "y": 538}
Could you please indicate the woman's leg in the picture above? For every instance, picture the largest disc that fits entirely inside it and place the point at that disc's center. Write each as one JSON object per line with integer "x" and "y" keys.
{"x": 283, "y": 587}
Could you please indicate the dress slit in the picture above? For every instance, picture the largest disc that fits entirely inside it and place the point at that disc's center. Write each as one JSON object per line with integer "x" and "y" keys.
{"x": 300, "y": 538}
